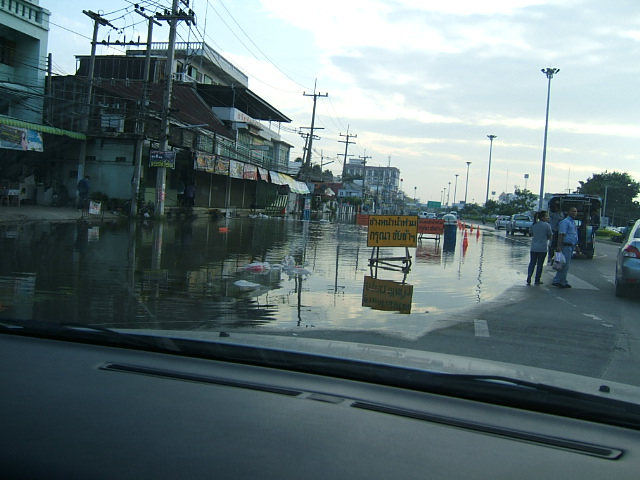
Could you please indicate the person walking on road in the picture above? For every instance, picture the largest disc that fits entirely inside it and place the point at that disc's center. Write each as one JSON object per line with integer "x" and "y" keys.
{"x": 541, "y": 234}
{"x": 567, "y": 242}
{"x": 83, "y": 193}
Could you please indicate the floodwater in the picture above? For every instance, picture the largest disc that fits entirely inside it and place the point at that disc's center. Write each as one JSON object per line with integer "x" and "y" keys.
{"x": 259, "y": 273}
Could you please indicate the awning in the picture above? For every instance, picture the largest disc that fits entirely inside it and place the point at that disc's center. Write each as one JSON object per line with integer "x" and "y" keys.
{"x": 12, "y": 122}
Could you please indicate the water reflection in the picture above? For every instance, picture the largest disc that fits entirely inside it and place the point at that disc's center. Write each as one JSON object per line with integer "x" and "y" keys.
{"x": 193, "y": 276}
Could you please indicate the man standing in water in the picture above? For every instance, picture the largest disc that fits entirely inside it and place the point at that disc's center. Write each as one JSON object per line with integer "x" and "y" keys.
{"x": 567, "y": 240}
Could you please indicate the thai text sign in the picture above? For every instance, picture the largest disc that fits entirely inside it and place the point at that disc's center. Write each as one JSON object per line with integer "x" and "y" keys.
{"x": 431, "y": 226}
{"x": 387, "y": 295}
{"x": 162, "y": 159}
{"x": 393, "y": 231}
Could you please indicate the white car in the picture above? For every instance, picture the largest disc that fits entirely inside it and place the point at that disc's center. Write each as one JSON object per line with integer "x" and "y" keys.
{"x": 501, "y": 221}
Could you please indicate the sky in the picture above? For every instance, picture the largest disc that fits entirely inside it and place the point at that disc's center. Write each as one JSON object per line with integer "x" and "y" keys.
{"x": 422, "y": 83}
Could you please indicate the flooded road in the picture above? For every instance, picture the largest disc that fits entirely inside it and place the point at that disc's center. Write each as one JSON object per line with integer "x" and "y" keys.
{"x": 266, "y": 273}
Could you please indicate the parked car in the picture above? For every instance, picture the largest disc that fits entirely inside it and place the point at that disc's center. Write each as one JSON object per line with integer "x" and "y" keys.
{"x": 519, "y": 223}
{"x": 501, "y": 221}
{"x": 628, "y": 263}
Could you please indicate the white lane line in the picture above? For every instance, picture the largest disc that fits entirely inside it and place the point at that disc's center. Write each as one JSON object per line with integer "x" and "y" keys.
{"x": 481, "y": 328}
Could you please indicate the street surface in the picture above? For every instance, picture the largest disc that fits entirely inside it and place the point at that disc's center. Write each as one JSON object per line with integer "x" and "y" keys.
{"x": 584, "y": 330}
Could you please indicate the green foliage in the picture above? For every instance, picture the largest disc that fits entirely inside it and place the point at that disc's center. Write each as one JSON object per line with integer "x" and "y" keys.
{"x": 620, "y": 190}
{"x": 619, "y": 187}
{"x": 352, "y": 200}
{"x": 524, "y": 202}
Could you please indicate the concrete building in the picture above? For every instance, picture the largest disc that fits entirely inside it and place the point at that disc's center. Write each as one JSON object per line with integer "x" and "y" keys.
{"x": 24, "y": 30}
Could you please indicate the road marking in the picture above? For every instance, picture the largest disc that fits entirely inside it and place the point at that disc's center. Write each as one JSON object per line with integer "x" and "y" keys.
{"x": 591, "y": 315}
{"x": 481, "y": 328}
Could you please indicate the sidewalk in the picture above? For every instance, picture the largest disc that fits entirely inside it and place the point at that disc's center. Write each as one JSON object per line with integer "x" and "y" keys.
{"x": 35, "y": 213}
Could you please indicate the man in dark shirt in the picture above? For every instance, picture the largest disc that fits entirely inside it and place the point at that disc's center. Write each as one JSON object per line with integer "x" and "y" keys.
{"x": 83, "y": 193}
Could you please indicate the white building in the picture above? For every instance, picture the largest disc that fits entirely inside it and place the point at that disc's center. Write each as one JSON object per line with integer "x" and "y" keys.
{"x": 24, "y": 29}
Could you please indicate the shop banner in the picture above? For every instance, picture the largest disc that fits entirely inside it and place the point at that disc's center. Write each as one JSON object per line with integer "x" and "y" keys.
{"x": 236, "y": 169}
{"x": 275, "y": 178}
{"x": 222, "y": 166}
{"x": 16, "y": 138}
{"x": 264, "y": 174}
{"x": 162, "y": 159}
{"x": 205, "y": 161}
{"x": 250, "y": 172}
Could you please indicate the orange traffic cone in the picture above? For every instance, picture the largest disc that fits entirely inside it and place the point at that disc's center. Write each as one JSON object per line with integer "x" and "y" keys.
{"x": 478, "y": 232}
{"x": 465, "y": 240}
{"x": 471, "y": 228}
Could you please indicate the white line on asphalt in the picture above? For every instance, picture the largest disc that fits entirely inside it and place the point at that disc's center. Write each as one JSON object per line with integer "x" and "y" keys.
{"x": 481, "y": 328}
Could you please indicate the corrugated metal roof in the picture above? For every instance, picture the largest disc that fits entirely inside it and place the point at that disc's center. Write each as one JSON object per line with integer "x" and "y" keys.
{"x": 243, "y": 99}
{"x": 186, "y": 105}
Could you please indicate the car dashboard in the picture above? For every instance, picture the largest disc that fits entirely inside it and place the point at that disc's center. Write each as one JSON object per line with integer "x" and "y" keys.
{"x": 78, "y": 410}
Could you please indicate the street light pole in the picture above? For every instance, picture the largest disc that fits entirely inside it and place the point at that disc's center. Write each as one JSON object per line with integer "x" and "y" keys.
{"x": 490, "y": 137}
{"x": 549, "y": 72}
{"x": 455, "y": 189}
{"x": 466, "y": 187}
{"x": 448, "y": 193}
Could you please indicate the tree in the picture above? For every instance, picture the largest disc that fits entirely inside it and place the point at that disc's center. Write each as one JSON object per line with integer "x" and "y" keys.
{"x": 525, "y": 201}
{"x": 620, "y": 189}
{"x": 491, "y": 207}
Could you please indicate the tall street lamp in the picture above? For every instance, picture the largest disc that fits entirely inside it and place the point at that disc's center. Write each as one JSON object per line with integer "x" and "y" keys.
{"x": 466, "y": 187}
{"x": 549, "y": 72}
{"x": 455, "y": 189}
{"x": 490, "y": 137}
{"x": 448, "y": 193}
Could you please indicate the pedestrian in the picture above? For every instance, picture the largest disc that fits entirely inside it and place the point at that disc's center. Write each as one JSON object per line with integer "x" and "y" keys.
{"x": 554, "y": 220}
{"x": 190, "y": 194}
{"x": 83, "y": 193}
{"x": 541, "y": 234}
{"x": 567, "y": 242}
{"x": 180, "y": 191}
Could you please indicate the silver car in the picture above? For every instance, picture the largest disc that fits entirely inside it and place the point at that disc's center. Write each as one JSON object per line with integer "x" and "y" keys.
{"x": 501, "y": 221}
{"x": 628, "y": 263}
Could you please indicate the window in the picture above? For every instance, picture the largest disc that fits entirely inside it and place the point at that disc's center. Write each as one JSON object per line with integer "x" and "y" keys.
{"x": 7, "y": 51}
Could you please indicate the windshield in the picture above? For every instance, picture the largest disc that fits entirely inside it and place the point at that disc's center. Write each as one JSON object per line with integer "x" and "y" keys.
{"x": 276, "y": 196}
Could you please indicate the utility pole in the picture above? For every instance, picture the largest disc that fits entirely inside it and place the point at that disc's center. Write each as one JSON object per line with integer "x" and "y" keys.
{"x": 307, "y": 162}
{"x": 307, "y": 141}
{"x": 86, "y": 108}
{"x": 346, "y": 148}
{"x": 364, "y": 174}
{"x": 173, "y": 19}
{"x": 135, "y": 185}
